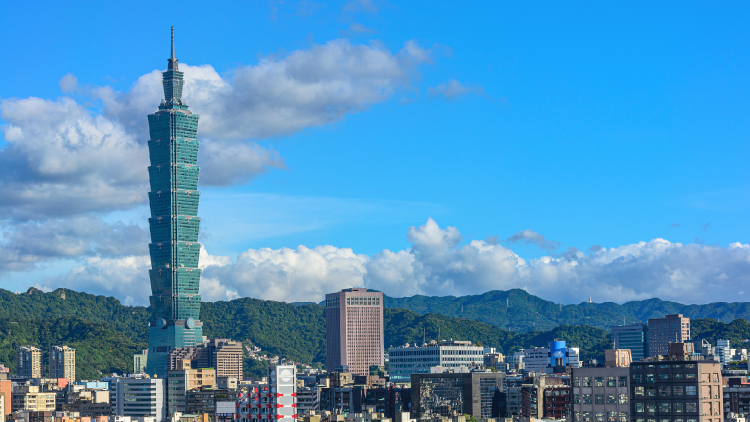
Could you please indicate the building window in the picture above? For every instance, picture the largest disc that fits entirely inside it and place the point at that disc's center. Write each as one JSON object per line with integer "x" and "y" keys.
{"x": 650, "y": 379}
{"x": 586, "y": 399}
{"x": 623, "y": 382}
{"x": 640, "y": 408}
{"x": 611, "y": 416}
{"x": 691, "y": 390}
{"x": 665, "y": 407}
{"x": 691, "y": 407}
{"x": 640, "y": 391}
{"x": 637, "y": 379}
{"x": 678, "y": 407}
{"x": 677, "y": 390}
{"x": 599, "y": 399}
{"x": 624, "y": 398}
{"x": 611, "y": 399}
{"x": 576, "y": 381}
{"x": 576, "y": 399}
{"x": 587, "y": 381}
{"x": 611, "y": 382}
{"x": 599, "y": 382}
{"x": 599, "y": 417}
{"x": 665, "y": 391}
{"x": 623, "y": 417}
{"x": 651, "y": 407}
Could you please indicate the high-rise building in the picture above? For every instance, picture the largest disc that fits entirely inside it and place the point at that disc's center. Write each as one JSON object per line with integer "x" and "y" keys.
{"x": 139, "y": 397}
{"x": 62, "y": 363}
{"x": 222, "y": 354}
{"x": 633, "y": 337}
{"x": 723, "y": 351}
{"x": 354, "y": 330}
{"x": 28, "y": 397}
{"x": 275, "y": 400}
{"x": 184, "y": 380}
{"x": 406, "y": 360}
{"x": 174, "y": 249}
{"x": 29, "y": 362}
{"x": 662, "y": 331}
{"x": 678, "y": 387}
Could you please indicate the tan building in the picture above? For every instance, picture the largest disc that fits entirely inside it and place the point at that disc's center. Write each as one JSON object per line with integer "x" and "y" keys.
{"x": 62, "y": 363}
{"x": 6, "y": 389}
{"x": 29, "y": 362}
{"x": 179, "y": 382}
{"x": 223, "y": 355}
{"x": 617, "y": 358}
{"x": 354, "y": 330}
{"x": 662, "y": 331}
{"x": 28, "y": 397}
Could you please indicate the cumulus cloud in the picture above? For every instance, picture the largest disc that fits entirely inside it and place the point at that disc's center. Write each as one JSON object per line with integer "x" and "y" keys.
{"x": 453, "y": 90}
{"x": 530, "y": 237}
{"x": 440, "y": 263}
{"x": 63, "y": 158}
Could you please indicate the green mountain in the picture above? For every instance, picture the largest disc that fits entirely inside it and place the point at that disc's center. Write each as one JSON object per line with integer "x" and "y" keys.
{"x": 518, "y": 310}
{"x": 107, "y": 333}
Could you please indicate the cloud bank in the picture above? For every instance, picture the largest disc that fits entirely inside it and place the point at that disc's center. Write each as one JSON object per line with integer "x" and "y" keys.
{"x": 438, "y": 263}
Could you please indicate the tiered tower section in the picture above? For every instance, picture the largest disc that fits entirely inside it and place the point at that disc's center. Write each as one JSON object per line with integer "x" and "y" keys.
{"x": 174, "y": 248}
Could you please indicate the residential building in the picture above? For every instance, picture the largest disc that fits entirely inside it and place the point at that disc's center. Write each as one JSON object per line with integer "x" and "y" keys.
{"x": 679, "y": 387}
{"x": 513, "y": 400}
{"x": 516, "y": 361}
{"x": 724, "y": 351}
{"x": 633, "y": 337}
{"x": 28, "y": 397}
{"x": 532, "y": 395}
{"x": 354, "y": 330}
{"x": 139, "y": 397}
{"x": 736, "y": 396}
{"x": 6, "y": 390}
{"x": 494, "y": 360}
{"x": 174, "y": 224}
{"x": 29, "y": 362}
{"x": 62, "y": 363}
{"x": 601, "y": 394}
{"x": 557, "y": 402}
{"x": 181, "y": 381}
{"x": 308, "y": 400}
{"x": 480, "y": 394}
{"x": 223, "y": 355}
{"x": 139, "y": 362}
{"x": 407, "y": 360}
{"x": 275, "y": 400}
{"x": 663, "y": 331}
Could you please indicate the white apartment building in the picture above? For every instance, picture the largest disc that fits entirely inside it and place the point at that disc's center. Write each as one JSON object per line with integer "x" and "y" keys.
{"x": 407, "y": 360}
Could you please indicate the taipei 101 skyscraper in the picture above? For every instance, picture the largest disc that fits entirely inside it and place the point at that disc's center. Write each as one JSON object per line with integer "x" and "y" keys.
{"x": 174, "y": 248}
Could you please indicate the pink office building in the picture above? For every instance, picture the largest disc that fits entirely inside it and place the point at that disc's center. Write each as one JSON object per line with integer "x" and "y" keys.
{"x": 354, "y": 330}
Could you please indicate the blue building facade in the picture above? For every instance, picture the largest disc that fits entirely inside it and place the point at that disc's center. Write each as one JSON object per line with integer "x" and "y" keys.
{"x": 174, "y": 224}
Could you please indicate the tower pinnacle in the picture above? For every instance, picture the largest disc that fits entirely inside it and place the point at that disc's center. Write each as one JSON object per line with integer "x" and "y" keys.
{"x": 172, "y": 61}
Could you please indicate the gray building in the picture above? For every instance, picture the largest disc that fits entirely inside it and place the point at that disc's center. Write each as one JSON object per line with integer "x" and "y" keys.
{"x": 633, "y": 337}
{"x": 601, "y": 394}
{"x": 677, "y": 390}
{"x": 663, "y": 331}
{"x": 480, "y": 394}
{"x": 139, "y": 397}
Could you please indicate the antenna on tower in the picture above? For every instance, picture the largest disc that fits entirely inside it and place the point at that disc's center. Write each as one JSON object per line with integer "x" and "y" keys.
{"x": 172, "y": 44}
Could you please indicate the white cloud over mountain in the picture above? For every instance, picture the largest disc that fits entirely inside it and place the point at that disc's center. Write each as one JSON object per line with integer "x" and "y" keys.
{"x": 438, "y": 264}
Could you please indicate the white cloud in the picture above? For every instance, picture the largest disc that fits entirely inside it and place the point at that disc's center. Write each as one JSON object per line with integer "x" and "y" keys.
{"x": 438, "y": 264}
{"x": 62, "y": 158}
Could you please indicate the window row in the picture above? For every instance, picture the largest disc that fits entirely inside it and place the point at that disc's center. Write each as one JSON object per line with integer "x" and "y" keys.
{"x": 600, "y": 381}
{"x": 600, "y": 416}
{"x": 600, "y": 399}
{"x": 666, "y": 391}
{"x": 666, "y": 407}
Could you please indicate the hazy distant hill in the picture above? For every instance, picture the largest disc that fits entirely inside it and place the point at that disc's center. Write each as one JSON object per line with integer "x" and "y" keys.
{"x": 99, "y": 325}
{"x": 518, "y": 310}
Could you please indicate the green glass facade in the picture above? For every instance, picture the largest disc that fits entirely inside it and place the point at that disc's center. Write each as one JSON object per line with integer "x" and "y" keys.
{"x": 174, "y": 223}
{"x": 633, "y": 337}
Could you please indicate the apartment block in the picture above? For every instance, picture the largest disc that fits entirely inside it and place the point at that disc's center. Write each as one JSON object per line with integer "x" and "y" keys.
{"x": 28, "y": 397}
{"x": 601, "y": 394}
{"x": 139, "y": 397}
{"x": 663, "y": 331}
{"x": 354, "y": 330}
{"x": 29, "y": 362}
{"x": 633, "y": 337}
{"x": 275, "y": 400}
{"x": 62, "y": 363}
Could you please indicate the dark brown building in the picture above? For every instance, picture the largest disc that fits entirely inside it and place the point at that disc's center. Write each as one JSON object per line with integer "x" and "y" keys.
{"x": 557, "y": 402}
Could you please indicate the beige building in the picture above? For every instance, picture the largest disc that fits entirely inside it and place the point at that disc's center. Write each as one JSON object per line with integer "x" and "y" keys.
{"x": 29, "y": 362}
{"x": 221, "y": 354}
{"x": 179, "y": 382}
{"x": 617, "y": 358}
{"x": 662, "y": 331}
{"x": 354, "y": 330}
{"x": 28, "y": 397}
{"x": 62, "y": 363}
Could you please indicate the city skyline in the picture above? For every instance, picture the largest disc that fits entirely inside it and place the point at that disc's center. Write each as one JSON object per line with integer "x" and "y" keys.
{"x": 570, "y": 165}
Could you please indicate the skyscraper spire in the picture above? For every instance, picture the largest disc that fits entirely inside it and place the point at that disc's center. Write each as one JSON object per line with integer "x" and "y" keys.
{"x": 172, "y": 61}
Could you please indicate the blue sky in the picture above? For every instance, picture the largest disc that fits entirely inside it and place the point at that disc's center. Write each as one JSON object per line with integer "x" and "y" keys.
{"x": 590, "y": 124}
